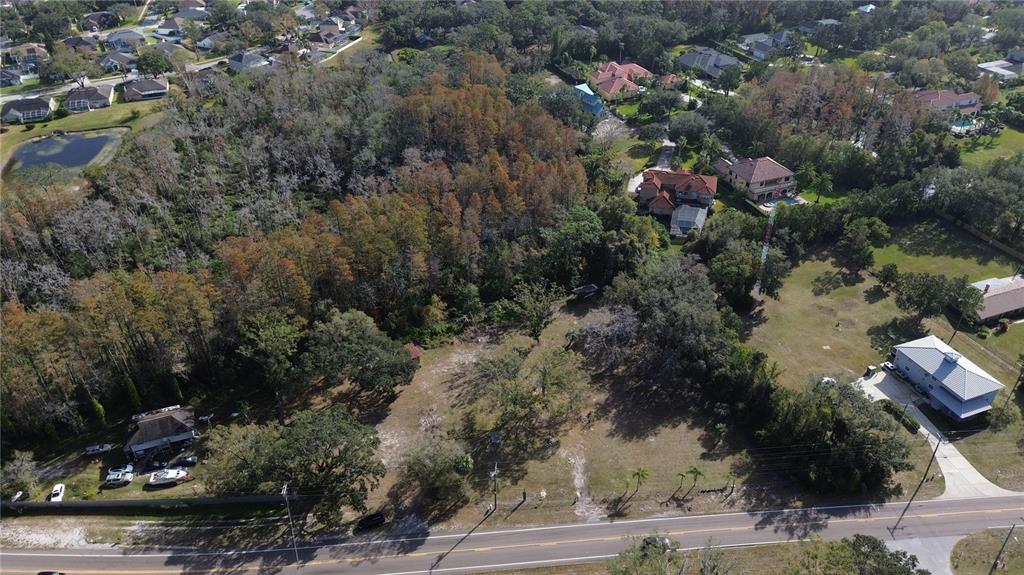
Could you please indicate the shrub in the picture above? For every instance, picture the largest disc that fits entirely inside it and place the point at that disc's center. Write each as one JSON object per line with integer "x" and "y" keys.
{"x": 904, "y": 419}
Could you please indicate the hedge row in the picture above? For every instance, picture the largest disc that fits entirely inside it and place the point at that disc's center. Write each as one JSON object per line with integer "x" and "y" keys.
{"x": 897, "y": 411}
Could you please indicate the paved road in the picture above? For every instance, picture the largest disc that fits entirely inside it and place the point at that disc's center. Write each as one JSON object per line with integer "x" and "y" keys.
{"x": 484, "y": 550}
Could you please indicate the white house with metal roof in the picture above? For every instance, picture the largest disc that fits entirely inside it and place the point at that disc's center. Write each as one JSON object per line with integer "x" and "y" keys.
{"x": 955, "y": 385}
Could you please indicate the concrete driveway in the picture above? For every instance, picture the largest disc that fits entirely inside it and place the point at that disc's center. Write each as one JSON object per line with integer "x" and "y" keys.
{"x": 962, "y": 479}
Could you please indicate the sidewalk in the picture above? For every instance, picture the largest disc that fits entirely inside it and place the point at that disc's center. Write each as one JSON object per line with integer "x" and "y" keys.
{"x": 962, "y": 479}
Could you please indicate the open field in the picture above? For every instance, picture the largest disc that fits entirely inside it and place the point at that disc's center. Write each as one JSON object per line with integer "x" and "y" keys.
{"x": 973, "y": 555}
{"x": 827, "y": 322}
{"x": 1009, "y": 142}
{"x": 116, "y": 115}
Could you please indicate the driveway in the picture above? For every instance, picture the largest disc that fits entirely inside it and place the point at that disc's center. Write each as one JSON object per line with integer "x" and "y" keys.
{"x": 668, "y": 149}
{"x": 962, "y": 479}
{"x": 933, "y": 553}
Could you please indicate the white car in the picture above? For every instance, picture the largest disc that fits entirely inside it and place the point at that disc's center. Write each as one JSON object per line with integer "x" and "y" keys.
{"x": 887, "y": 365}
{"x": 119, "y": 479}
{"x": 98, "y": 449}
{"x": 126, "y": 468}
{"x": 57, "y": 493}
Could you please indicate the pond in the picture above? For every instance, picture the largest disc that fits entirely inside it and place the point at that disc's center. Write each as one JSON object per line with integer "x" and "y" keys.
{"x": 72, "y": 151}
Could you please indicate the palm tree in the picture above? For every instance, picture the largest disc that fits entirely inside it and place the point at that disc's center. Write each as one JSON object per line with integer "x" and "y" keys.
{"x": 823, "y": 183}
{"x": 640, "y": 475}
{"x": 696, "y": 473}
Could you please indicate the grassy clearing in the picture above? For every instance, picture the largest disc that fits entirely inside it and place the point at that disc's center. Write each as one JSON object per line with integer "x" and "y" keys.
{"x": 973, "y": 555}
{"x": 635, "y": 154}
{"x": 987, "y": 148}
{"x": 368, "y": 42}
{"x": 679, "y": 49}
{"x": 116, "y": 115}
{"x": 827, "y": 322}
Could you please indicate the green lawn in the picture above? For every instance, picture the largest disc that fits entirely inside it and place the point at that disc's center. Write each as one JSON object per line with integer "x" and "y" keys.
{"x": 24, "y": 86}
{"x": 116, "y": 115}
{"x": 973, "y": 555}
{"x": 678, "y": 50}
{"x": 987, "y": 148}
{"x": 84, "y": 482}
{"x": 827, "y": 321}
{"x": 629, "y": 110}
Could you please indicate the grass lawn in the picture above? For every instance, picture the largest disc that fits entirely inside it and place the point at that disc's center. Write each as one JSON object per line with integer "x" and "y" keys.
{"x": 973, "y": 555}
{"x": 679, "y": 49}
{"x": 826, "y": 322}
{"x": 988, "y": 148}
{"x": 368, "y": 42}
{"x": 116, "y": 115}
{"x": 629, "y": 110}
{"x": 24, "y": 86}
{"x": 85, "y": 482}
{"x": 635, "y": 153}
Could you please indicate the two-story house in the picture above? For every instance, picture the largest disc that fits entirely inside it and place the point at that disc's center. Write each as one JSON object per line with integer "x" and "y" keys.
{"x": 762, "y": 179}
{"x": 612, "y": 78}
{"x": 683, "y": 195}
{"x": 948, "y": 100}
{"x": 954, "y": 385}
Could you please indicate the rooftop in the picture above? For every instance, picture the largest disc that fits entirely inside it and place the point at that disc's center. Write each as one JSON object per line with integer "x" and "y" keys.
{"x": 1001, "y": 295}
{"x": 959, "y": 375}
{"x": 755, "y": 169}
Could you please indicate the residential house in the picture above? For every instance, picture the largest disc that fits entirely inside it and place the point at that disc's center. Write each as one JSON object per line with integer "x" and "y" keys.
{"x": 29, "y": 55}
{"x": 332, "y": 24}
{"x": 612, "y": 78}
{"x": 145, "y": 89}
{"x": 424, "y": 41}
{"x": 709, "y": 61}
{"x": 96, "y": 21}
{"x": 214, "y": 41}
{"x": 955, "y": 386}
{"x": 681, "y": 194}
{"x": 327, "y": 38}
{"x": 590, "y": 101}
{"x": 191, "y": 5}
{"x": 1009, "y": 68}
{"x": 948, "y": 100}
{"x": 762, "y": 178}
{"x": 10, "y": 77}
{"x": 812, "y": 26}
{"x": 125, "y": 40}
{"x": 160, "y": 430}
{"x": 171, "y": 26}
{"x": 28, "y": 110}
{"x": 90, "y": 98}
{"x": 116, "y": 62}
{"x": 1002, "y": 297}
{"x": 194, "y": 14}
{"x": 867, "y": 8}
{"x": 82, "y": 44}
{"x": 762, "y": 46}
{"x": 245, "y": 61}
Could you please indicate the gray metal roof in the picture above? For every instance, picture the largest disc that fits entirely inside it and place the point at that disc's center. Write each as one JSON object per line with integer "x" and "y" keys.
{"x": 959, "y": 375}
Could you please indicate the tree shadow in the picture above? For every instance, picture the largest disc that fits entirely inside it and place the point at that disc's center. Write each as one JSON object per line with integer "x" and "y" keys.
{"x": 898, "y": 329}
{"x": 750, "y": 322}
{"x": 940, "y": 238}
{"x": 832, "y": 280}
{"x": 875, "y": 294}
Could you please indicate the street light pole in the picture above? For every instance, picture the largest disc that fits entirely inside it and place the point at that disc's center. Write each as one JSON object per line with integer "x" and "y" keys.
{"x": 291, "y": 524}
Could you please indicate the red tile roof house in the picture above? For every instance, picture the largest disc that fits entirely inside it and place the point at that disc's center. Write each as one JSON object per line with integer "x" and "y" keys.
{"x": 968, "y": 103}
{"x": 668, "y": 193}
{"x": 612, "y": 78}
{"x": 762, "y": 178}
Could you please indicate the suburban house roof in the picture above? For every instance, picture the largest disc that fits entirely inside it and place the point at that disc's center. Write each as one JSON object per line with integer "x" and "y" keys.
{"x": 246, "y": 60}
{"x": 102, "y": 19}
{"x": 612, "y": 77}
{"x": 125, "y": 36}
{"x": 944, "y": 99}
{"x": 31, "y": 48}
{"x": 710, "y": 61}
{"x": 91, "y": 93}
{"x": 1001, "y": 295}
{"x": 193, "y": 14}
{"x": 156, "y": 426}
{"x": 78, "y": 42}
{"x": 754, "y": 169}
{"x": 27, "y": 105}
{"x": 119, "y": 57}
{"x": 174, "y": 23}
{"x": 186, "y": 4}
{"x": 1011, "y": 67}
{"x": 682, "y": 181}
{"x": 167, "y": 47}
{"x": 959, "y": 375}
{"x": 145, "y": 85}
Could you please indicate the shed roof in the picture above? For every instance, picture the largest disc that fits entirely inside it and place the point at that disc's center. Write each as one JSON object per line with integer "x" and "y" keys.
{"x": 163, "y": 424}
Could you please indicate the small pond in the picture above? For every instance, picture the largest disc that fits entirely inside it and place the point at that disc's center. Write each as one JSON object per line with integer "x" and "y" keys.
{"x": 72, "y": 151}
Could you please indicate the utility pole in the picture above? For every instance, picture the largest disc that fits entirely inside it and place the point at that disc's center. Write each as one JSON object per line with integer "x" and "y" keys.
{"x": 900, "y": 422}
{"x": 960, "y": 317}
{"x": 494, "y": 477}
{"x": 995, "y": 564}
{"x": 291, "y": 524}
{"x": 1020, "y": 378}
{"x": 938, "y": 442}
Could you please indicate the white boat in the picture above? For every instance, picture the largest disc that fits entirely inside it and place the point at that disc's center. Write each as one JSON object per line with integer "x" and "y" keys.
{"x": 167, "y": 476}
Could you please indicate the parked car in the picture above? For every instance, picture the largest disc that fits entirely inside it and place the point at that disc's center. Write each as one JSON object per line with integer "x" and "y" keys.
{"x": 118, "y": 479}
{"x": 98, "y": 449}
{"x": 57, "y": 493}
{"x": 660, "y": 544}
{"x": 126, "y": 468}
{"x": 154, "y": 466}
{"x": 888, "y": 366}
{"x": 187, "y": 461}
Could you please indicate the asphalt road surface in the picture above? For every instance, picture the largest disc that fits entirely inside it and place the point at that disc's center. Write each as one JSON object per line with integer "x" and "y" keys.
{"x": 486, "y": 550}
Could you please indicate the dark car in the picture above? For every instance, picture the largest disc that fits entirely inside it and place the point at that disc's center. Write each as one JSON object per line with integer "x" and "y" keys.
{"x": 188, "y": 461}
{"x": 371, "y": 521}
{"x": 155, "y": 465}
{"x": 659, "y": 544}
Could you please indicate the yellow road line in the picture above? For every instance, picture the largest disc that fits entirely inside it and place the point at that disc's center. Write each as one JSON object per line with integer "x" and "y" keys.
{"x": 517, "y": 545}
